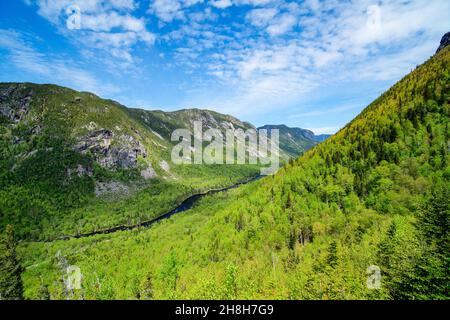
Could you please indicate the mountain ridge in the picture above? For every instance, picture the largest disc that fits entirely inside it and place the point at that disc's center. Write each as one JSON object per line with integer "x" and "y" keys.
{"x": 295, "y": 141}
{"x": 65, "y": 149}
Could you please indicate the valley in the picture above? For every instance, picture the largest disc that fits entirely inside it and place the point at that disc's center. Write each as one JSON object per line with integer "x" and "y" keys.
{"x": 377, "y": 193}
{"x": 85, "y": 164}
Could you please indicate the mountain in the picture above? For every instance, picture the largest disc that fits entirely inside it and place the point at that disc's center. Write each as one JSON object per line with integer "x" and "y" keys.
{"x": 166, "y": 122}
{"x": 72, "y": 156}
{"x": 321, "y": 137}
{"x": 295, "y": 141}
{"x": 445, "y": 42}
{"x": 363, "y": 215}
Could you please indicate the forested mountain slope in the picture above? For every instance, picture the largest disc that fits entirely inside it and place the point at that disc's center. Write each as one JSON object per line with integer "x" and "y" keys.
{"x": 375, "y": 194}
{"x": 69, "y": 159}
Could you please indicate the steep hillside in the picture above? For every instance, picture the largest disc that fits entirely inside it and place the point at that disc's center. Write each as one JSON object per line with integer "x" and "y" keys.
{"x": 70, "y": 158}
{"x": 296, "y": 141}
{"x": 375, "y": 194}
{"x": 166, "y": 122}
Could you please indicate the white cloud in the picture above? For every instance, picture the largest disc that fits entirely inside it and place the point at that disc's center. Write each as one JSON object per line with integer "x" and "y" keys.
{"x": 254, "y": 2}
{"x": 104, "y": 25}
{"x": 324, "y": 130}
{"x": 261, "y": 17}
{"x": 111, "y": 20}
{"x": 272, "y": 52}
{"x": 334, "y": 43}
{"x": 167, "y": 10}
{"x": 284, "y": 23}
{"x": 53, "y": 9}
{"x": 116, "y": 40}
{"x": 221, "y": 4}
{"x": 66, "y": 72}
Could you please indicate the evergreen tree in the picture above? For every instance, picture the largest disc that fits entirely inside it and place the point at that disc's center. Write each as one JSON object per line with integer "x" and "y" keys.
{"x": 11, "y": 285}
{"x": 147, "y": 287}
{"x": 432, "y": 275}
{"x": 44, "y": 293}
{"x": 170, "y": 273}
{"x": 332, "y": 258}
{"x": 387, "y": 261}
{"x": 230, "y": 282}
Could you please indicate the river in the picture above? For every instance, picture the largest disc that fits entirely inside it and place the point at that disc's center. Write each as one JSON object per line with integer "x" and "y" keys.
{"x": 187, "y": 204}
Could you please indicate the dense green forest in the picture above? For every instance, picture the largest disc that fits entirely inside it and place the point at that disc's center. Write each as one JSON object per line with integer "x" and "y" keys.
{"x": 375, "y": 194}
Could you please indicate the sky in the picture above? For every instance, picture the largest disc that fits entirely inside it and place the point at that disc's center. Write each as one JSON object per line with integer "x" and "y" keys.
{"x": 312, "y": 64}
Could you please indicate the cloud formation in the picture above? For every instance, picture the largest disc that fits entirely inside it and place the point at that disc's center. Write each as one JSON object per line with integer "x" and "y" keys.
{"x": 281, "y": 50}
{"x": 67, "y": 72}
{"x": 110, "y": 26}
{"x": 249, "y": 57}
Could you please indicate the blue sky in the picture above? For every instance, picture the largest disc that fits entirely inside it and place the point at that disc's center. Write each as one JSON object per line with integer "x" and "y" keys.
{"x": 311, "y": 64}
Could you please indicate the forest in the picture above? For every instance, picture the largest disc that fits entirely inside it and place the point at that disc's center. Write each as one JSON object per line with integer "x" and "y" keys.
{"x": 375, "y": 194}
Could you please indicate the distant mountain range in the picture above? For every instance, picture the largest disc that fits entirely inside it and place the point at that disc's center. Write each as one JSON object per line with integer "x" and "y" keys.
{"x": 115, "y": 136}
{"x": 295, "y": 141}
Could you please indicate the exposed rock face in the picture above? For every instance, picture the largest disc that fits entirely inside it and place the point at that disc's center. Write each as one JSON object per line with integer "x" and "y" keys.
{"x": 110, "y": 188}
{"x": 148, "y": 173}
{"x": 14, "y": 103}
{"x": 80, "y": 171}
{"x": 164, "y": 165}
{"x": 122, "y": 153}
{"x": 444, "y": 42}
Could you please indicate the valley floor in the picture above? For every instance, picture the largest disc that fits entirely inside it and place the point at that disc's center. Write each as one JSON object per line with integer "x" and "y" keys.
{"x": 208, "y": 253}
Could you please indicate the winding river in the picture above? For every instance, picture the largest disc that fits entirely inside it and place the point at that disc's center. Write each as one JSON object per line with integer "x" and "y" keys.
{"x": 187, "y": 204}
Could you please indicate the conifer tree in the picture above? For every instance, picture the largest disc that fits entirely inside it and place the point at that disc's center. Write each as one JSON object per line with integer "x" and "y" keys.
{"x": 147, "y": 287}
{"x": 11, "y": 285}
{"x": 44, "y": 293}
{"x": 432, "y": 274}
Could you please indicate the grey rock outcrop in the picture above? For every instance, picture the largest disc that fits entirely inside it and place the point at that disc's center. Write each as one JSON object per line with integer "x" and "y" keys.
{"x": 445, "y": 41}
{"x": 111, "y": 152}
{"x": 14, "y": 103}
{"x": 148, "y": 173}
{"x": 110, "y": 188}
{"x": 80, "y": 171}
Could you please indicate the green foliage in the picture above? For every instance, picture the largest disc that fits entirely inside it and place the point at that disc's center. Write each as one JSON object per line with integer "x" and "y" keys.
{"x": 230, "y": 283}
{"x": 43, "y": 292}
{"x": 430, "y": 278}
{"x": 169, "y": 274}
{"x": 11, "y": 285}
{"x": 147, "y": 287}
{"x": 44, "y": 196}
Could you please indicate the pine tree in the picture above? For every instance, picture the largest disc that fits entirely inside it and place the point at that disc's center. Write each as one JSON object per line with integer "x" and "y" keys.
{"x": 386, "y": 255}
{"x": 43, "y": 292}
{"x": 432, "y": 274}
{"x": 332, "y": 258}
{"x": 170, "y": 273}
{"x": 230, "y": 282}
{"x": 11, "y": 285}
{"x": 147, "y": 287}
